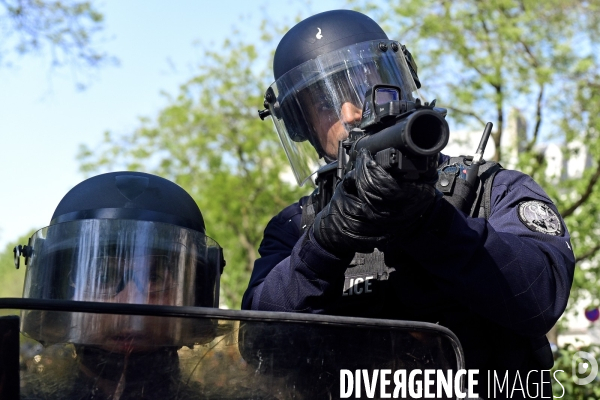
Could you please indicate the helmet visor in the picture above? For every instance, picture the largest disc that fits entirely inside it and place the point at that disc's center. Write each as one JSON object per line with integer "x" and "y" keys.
{"x": 123, "y": 261}
{"x": 316, "y": 104}
{"x": 120, "y": 261}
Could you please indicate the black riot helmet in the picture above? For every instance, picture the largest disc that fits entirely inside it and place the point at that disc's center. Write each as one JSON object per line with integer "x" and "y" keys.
{"x": 133, "y": 196}
{"x": 323, "y": 63}
{"x": 123, "y": 237}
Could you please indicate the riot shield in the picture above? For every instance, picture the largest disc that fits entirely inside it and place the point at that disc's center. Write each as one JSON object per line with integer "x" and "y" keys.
{"x": 86, "y": 350}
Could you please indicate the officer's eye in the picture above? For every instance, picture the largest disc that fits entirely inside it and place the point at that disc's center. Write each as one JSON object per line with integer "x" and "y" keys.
{"x": 159, "y": 279}
{"x": 324, "y": 105}
{"x": 156, "y": 277}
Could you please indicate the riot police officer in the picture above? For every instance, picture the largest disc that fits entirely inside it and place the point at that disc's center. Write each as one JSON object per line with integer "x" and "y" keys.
{"x": 122, "y": 237}
{"x": 498, "y": 275}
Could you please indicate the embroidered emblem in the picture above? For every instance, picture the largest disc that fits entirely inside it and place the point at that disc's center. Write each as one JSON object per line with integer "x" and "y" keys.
{"x": 318, "y": 35}
{"x": 538, "y": 217}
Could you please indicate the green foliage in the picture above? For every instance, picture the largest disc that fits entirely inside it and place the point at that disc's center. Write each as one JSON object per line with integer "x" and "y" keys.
{"x": 567, "y": 389}
{"x": 483, "y": 59}
{"x": 67, "y": 28}
{"x": 210, "y": 141}
{"x": 484, "y": 56}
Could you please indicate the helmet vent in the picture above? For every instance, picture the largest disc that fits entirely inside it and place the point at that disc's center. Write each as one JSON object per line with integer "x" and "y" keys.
{"x": 131, "y": 186}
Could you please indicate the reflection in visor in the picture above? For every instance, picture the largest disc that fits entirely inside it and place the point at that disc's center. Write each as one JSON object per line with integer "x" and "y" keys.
{"x": 347, "y": 86}
{"x": 124, "y": 261}
{"x": 149, "y": 273}
{"x": 120, "y": 261}
{"x": 308, "y": 101}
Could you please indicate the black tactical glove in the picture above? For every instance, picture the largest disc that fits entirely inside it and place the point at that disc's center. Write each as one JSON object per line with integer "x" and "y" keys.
{"x": 369, "y": 207}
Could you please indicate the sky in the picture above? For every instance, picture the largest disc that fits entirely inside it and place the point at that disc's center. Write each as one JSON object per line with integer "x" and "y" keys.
{"x": 44, "y": 118}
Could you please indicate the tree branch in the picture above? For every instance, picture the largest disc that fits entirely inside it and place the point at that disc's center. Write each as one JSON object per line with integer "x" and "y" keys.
{"x": 534, "y": 60}
{"x": 585, "y": 196}
{"x": 538, "y": 120}
{"x": 500, "y": 125}
{"x": 487, "y": 34}
{"x": 469, "y": 113}
{"x": 588, "y": 254}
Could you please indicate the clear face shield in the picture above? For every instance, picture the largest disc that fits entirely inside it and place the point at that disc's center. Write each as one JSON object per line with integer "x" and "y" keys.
{"x": 316, "y": 104}
{"x": 120, "y": 261}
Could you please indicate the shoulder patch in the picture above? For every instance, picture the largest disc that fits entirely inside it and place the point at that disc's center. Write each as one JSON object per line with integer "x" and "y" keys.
{"x": 539, "y": 217}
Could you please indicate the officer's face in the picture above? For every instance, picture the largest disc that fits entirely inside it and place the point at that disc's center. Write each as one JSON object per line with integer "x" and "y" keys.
{"x": 147, "y": 279}
{"x": 331, "y": 127}
{"x": 141, "y": 279}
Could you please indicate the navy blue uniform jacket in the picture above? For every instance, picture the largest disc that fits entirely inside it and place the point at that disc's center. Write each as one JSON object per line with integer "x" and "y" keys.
{"x": 495, "y": 283}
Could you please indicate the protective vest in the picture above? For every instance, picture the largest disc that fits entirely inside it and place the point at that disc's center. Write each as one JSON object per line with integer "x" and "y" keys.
{"x": 365, "y": 283}
{"x": 366, "y": 279}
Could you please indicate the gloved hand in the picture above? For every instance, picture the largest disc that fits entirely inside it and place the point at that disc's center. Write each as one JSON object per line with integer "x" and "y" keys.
{"x": 369, "y": 207}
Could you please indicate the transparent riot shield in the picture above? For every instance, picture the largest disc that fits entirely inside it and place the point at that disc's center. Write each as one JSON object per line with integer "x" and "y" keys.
{"x": 204, "y": 353}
